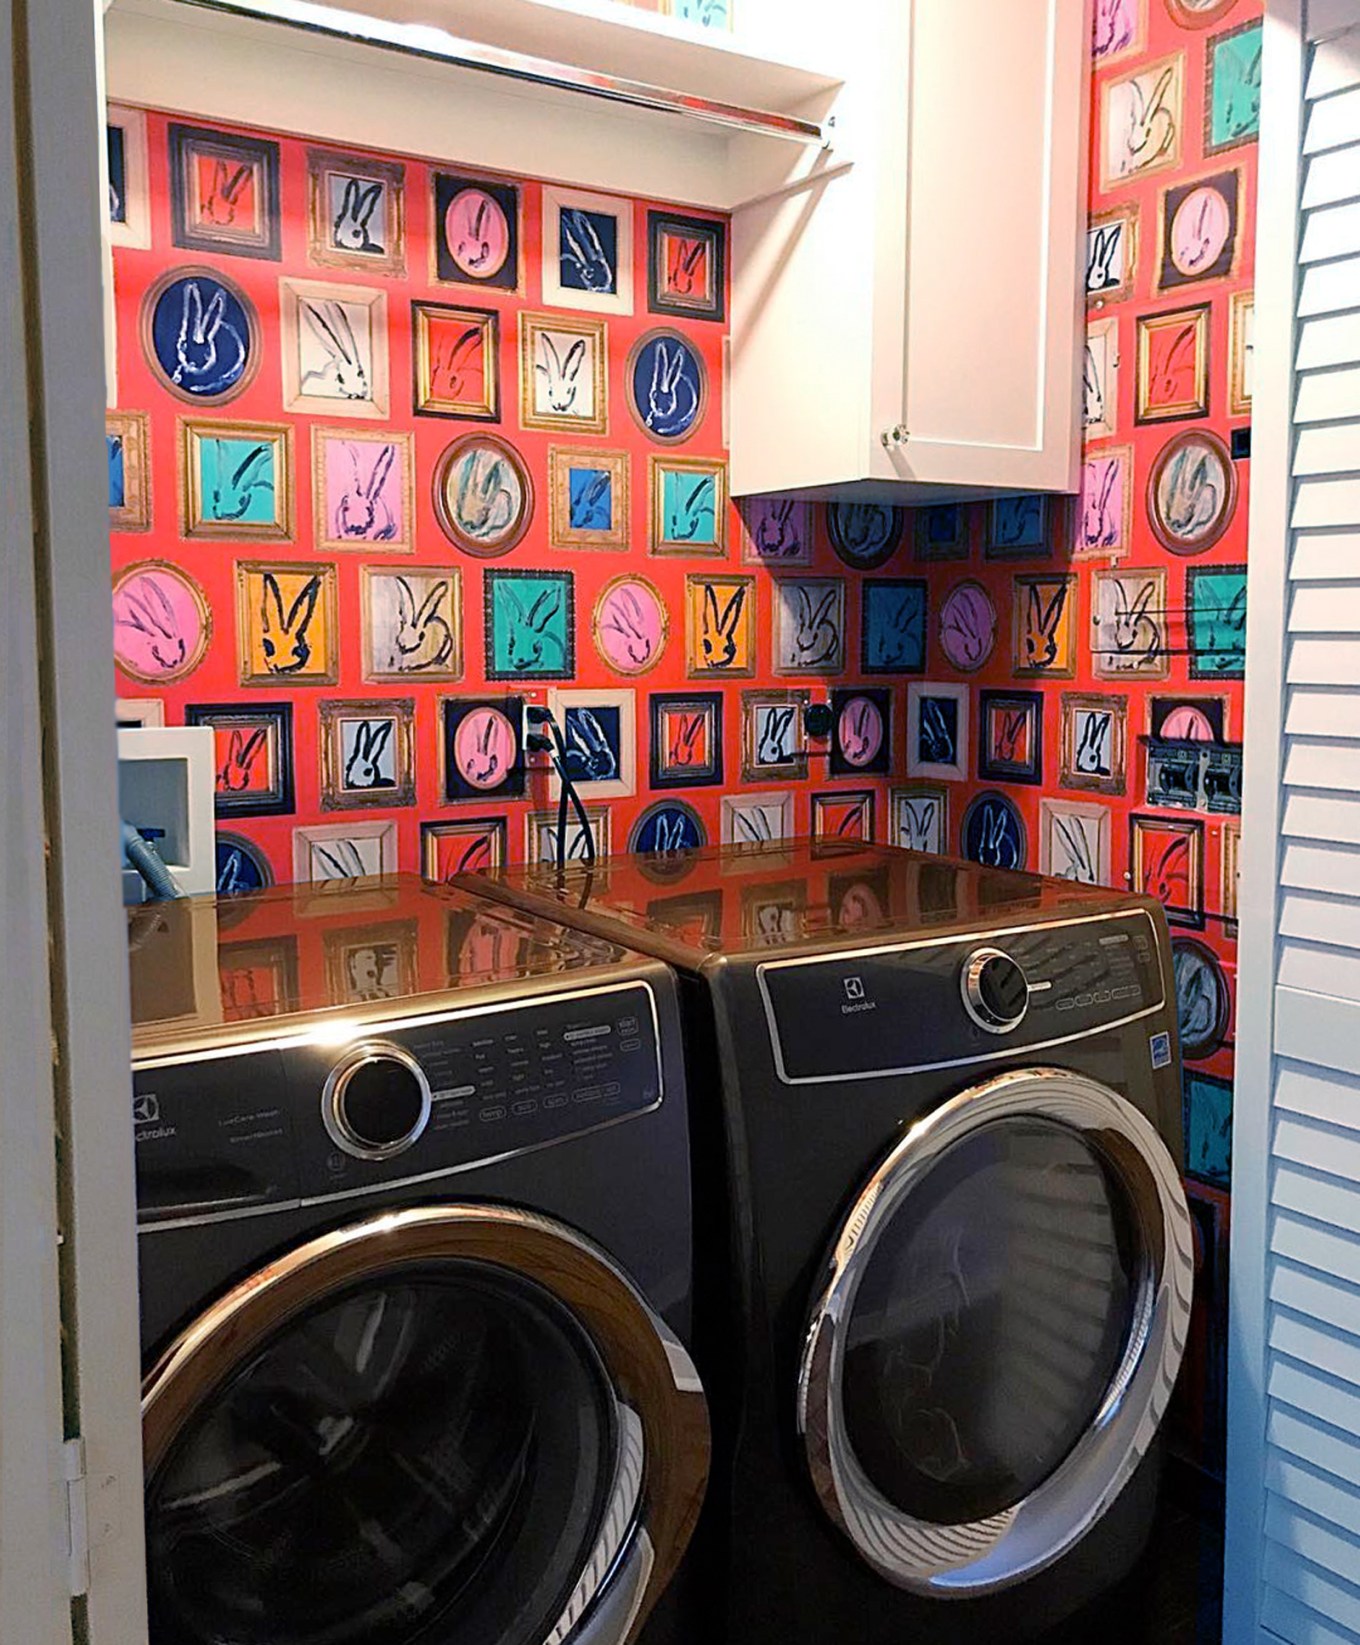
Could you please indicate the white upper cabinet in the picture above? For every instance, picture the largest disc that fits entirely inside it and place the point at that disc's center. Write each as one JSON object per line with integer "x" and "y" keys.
{"x": 908, "y": 322}
{"x": 907, "y": 179}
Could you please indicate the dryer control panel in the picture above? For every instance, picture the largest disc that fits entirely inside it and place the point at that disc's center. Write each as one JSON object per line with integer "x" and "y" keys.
{"x": 304, "y": 1120}
{"x": 906, "y": 1008}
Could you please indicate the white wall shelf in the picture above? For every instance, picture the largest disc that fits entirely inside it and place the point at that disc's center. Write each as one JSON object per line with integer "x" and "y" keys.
{"x": 267, "y": 74}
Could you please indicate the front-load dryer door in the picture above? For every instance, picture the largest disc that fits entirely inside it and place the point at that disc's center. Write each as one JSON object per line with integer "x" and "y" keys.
{"x": 454, "y": 1425}
{"x": 1003, "y": 1318}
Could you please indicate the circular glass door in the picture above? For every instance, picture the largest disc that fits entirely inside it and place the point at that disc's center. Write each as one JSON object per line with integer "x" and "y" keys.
{"x": 1003, "y": 1320}
{"x": 414, "y": 1430}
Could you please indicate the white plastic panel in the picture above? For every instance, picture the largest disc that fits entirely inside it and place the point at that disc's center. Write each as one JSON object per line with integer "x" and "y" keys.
{"x": 1334, "y": 123}
{"x": 1329, "y": 502}
{"x": 1321, "y": 867}
{"x": 1325, "y": 608}
{"x": 1321, "y": 817}
{"x": 1313, "y": 712}
{"x": 1335, "y": 67}
{"x": 1311, "y": 764}
{"x": 1323, "y": 662}
{"x": 1319, "y": 969}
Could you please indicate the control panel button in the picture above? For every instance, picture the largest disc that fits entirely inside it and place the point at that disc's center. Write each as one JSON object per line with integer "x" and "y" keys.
{"x": 995, "y": 990}
{"x": 376, "y": 1103}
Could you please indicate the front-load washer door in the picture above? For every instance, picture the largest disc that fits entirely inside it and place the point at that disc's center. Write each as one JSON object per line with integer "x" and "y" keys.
{"x": 1003, "y": 1318}
{"x": 453, "y": 1425}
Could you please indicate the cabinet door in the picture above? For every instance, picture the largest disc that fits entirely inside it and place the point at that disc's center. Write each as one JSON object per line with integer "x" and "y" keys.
{"x": 908, "y": 322}
{"x": 998, "y": 113}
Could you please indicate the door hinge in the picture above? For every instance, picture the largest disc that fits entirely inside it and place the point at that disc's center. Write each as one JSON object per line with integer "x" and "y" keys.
{"x": 77, "y": 1517}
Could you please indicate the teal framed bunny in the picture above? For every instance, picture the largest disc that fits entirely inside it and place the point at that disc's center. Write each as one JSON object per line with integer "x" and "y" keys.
{"x": 236, "y": 481}
{"x": 530, "y": 625}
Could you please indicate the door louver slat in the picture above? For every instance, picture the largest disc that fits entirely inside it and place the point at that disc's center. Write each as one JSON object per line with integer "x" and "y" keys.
{"x": 1312, "y": 1466}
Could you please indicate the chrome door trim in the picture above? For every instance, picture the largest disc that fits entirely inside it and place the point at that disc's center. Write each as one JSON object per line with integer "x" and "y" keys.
{"x": 993, "y": 1554}
{"x": 617, "y": 1526}
{"x": 991, "y": 935}
{"x": 661, "y": 1416}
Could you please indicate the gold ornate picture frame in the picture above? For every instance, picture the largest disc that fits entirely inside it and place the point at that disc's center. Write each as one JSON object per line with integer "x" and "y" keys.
{"x": 590, "y": 498}
{"x": 563, "y": 378}
{"x": 236, "y": 481}
{"x": 367, "y": 753}
{"x": 356, "y": 212}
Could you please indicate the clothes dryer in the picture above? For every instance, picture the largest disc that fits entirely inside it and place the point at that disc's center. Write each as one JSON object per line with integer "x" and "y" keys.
{"x": 941, "y": 1106}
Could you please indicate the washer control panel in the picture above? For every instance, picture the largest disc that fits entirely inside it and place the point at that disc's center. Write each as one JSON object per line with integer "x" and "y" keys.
{"x": 928, "y": 1004}
{"x": 300, "y": 1121}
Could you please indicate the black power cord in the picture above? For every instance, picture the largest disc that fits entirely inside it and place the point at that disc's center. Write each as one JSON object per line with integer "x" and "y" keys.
{"x": 555, "y": 746}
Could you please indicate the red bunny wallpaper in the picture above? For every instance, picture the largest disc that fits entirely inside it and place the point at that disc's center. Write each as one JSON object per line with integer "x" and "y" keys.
{"x": 400, "y": 449}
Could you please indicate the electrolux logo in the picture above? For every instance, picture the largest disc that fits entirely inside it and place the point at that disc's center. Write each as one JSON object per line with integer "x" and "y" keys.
{"x": 856, "y": 997}
{"x": 146, "y": 1114}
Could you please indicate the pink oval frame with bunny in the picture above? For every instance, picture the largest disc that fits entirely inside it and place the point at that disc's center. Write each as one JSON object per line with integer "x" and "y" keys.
{"x": 630, "y": 625}
{"x": 162, "y": 624}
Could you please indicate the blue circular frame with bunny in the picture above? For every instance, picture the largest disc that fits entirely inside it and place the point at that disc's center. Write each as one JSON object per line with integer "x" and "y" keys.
{"x": 667, "y": 386}
{"x": 668, "y": 826}
{"x": 994, "y": 832}
{"x": 201, "y": 335}
{"x": 865, "y": 535}
{"x": 241, "y": 865}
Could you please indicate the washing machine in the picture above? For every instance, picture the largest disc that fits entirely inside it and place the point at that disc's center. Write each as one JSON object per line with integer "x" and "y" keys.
{"x": 414, "y": 1231}
{"x": 941, "y": 1107}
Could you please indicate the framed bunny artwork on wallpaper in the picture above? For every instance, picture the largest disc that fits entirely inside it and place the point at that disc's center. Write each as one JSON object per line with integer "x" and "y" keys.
{"x": 402, "y": 446}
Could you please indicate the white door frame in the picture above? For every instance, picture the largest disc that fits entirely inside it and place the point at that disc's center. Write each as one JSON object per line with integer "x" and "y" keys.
{"x": 34, "y": 1597}
{"x": 1281, "y": 145}
{"x": 64, "y": 1014}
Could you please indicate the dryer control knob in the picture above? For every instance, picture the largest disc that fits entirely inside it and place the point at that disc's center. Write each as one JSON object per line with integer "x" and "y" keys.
{"x": 995, "y": 991}
{"x": 376, "y": 1103}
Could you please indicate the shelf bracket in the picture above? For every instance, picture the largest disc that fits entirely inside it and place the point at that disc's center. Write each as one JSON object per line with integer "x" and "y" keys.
{"x": 437, "y": 45}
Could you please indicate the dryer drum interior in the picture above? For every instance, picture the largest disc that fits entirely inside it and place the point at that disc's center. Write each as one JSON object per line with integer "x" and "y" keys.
{"x": 1003, "y": 1319}
{"x": 459, "y": 1424}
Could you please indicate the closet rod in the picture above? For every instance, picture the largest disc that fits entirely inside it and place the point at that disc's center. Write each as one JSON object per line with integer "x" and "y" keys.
{"x": 421, "y": 40}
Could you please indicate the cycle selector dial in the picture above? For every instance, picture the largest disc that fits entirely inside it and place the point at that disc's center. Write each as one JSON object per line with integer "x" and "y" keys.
{"x": 376, "y": 1103}
{"x": 995, "y": 991}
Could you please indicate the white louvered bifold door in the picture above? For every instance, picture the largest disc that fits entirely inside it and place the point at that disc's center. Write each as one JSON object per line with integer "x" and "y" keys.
{"x": 1293, "y": 1568}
